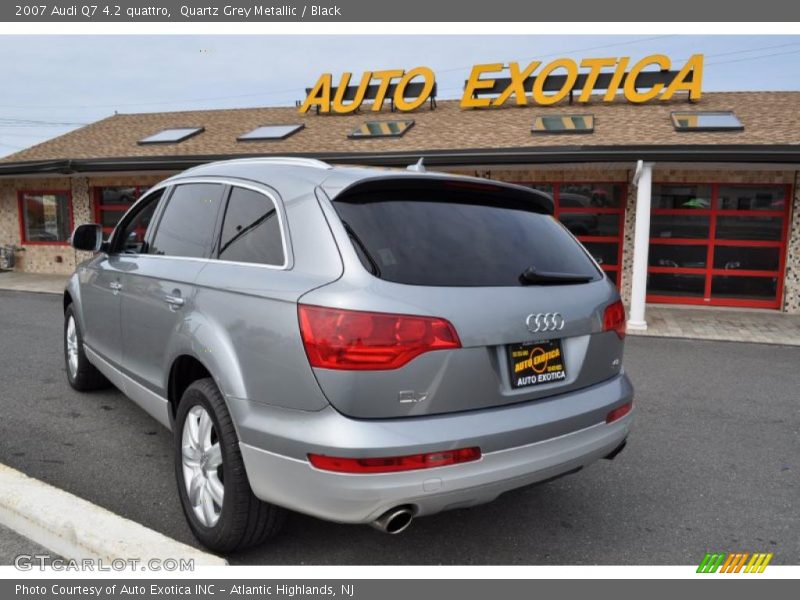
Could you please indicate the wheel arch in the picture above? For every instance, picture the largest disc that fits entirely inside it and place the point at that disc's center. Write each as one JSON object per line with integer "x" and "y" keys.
{"x": 184, "y": 370}
{"x": 72, "y": 297}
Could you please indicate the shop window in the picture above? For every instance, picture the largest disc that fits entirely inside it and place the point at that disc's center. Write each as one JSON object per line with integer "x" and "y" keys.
{"x": 172, "y": 136}
{"x": 706, "y": 121}
{"x": 751, "y": 197}
{"x": 45, "y": 217}
{"x": 563, "y": 124}
{"x": 112, "y": 202}
{"x": 681, "y": 197}
{"x": 270, "y": 132}
{"x": 376, "y": 129}
{"x": 744, "y": 288}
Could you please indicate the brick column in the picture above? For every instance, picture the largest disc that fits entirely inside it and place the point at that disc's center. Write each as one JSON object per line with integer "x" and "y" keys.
{"x": 791, "y": 302}
{"x": 626, "y": 272}
{"x": 82, "y": 211}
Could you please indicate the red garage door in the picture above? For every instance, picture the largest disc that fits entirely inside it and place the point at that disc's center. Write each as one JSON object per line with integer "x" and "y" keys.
{"x": 718, "y": 244}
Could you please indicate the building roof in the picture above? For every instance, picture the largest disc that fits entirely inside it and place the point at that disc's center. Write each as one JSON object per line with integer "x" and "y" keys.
{"x": 447, "y": 134}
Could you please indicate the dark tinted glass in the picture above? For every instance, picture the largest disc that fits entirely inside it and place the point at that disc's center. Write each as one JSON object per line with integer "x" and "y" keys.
{"x": 131, "y": 237}
{"x": 749, "y": 228}
{"x": 251, "y": 231}
{"x": 747, "y": 258}
{"x": 583, "y": 224}
{"x": 679, "y": 226}
{"x": 588, "y": 195}
{"x": 603, "y": 253}
{"x": 681, "y": 196}
{"x": 542, "y": 187}
{"x": 685, "y": 257}
{"x": 119, "y": 195}
{"x": 187, "y": 225}
{"x": 751, "y": 197}
{"x": 673, "y": 284}
{"x": 109, "y": 218}
{"x": 744, "y": 288}
{"x": 458, "y": 242}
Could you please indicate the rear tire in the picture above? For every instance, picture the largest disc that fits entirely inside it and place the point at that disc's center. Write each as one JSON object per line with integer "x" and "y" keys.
{"x": 223, "y": 513}
{"x": 81, "y": 374}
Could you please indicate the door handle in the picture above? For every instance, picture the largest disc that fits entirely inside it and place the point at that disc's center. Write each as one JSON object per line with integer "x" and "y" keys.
{"x": 115, "y": 286}
{"x": 174, "y": 301}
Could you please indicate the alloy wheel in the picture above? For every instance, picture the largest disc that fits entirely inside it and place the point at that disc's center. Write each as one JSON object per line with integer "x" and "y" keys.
{"x": 202, "y": 466}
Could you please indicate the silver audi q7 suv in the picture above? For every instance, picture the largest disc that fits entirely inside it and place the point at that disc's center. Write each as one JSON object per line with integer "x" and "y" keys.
{"x": 361, "y": 345}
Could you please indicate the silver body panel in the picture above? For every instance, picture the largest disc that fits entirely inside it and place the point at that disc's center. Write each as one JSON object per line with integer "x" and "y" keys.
{"x": 240, "y": 321}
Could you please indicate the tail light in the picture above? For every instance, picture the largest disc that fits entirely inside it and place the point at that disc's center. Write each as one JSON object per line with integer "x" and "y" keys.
{"x": 619, "y": 412}
{"x": 391, "y": 464}
{"x": 367, "y": 341}
{"x": 614, "y": 319}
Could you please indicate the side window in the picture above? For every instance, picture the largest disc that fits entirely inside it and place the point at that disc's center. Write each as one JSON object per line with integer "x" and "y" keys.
{"x": 131, "y": 236}
{"x": 251, "y": 230}
{"x": 186, "y": 227}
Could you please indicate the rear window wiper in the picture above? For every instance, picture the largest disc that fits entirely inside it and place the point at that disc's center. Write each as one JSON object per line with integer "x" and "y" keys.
{"x": 531, "y": 276}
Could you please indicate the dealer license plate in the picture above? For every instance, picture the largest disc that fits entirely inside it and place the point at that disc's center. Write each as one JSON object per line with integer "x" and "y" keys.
{"x": 535, "y": 363}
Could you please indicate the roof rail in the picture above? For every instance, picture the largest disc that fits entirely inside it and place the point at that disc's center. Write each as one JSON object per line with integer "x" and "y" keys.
{"x": 286, "y": 160}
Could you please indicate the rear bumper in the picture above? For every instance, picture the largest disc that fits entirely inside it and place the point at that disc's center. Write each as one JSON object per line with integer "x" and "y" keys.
{"x": 280, "y": 473}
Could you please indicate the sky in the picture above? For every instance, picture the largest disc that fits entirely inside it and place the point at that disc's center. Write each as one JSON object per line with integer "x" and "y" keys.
{"x": 50, "y": 85}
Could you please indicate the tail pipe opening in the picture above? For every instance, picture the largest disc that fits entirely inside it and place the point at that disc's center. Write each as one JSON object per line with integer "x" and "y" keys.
{"x": 616, "y": 450}
{"x": 395, "y": 520}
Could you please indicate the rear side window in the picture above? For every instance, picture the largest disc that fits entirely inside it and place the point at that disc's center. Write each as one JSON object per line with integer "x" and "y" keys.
{"x": 427, "y": 237}
{"x": 251, "y": 230}
{"x": 187, "y": 226}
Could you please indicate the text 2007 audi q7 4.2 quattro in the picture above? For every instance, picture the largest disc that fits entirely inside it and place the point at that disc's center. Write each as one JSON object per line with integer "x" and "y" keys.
{"x": 360, "y": 345}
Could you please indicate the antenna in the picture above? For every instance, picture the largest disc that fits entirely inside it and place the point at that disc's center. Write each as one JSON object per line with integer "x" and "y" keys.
{"x": 418, "y": 166}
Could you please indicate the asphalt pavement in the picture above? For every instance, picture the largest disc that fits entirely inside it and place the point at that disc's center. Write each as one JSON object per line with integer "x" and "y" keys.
{"x": 712, "y": 464}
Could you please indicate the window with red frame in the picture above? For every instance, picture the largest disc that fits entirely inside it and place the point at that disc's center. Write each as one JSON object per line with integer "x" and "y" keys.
{"x": 718, "y": 244}
{"x": 111, "y": 202}
{"x": 594, "y": 213}
{"x": 45, "y": 217}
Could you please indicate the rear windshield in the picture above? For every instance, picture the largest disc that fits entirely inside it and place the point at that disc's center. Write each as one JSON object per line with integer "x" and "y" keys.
{"x": 426, "y": 237}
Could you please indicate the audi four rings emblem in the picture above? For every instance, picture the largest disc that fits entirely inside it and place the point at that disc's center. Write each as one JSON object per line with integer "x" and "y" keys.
{"x": 539, "y": 322}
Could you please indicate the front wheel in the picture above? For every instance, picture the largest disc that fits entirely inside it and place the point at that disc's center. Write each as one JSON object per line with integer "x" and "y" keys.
{"x": 216, "y": 497}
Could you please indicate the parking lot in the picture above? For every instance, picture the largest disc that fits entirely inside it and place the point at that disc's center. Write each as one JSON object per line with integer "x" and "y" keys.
{"x": 712, "y": 464}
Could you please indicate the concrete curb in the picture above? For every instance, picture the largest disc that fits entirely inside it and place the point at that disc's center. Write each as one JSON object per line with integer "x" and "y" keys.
{"x": 76, "y": 529}
{"x": 14, "y": 281}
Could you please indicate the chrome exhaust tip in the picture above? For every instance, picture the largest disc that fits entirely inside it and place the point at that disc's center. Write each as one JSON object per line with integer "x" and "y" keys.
{"x": 395, "y": 520}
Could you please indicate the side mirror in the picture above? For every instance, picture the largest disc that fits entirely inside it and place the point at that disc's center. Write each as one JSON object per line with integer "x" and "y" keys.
{"x": 87, "y": 237}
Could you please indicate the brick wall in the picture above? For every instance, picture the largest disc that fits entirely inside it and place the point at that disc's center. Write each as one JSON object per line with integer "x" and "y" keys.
{"x": 40, "y": 258}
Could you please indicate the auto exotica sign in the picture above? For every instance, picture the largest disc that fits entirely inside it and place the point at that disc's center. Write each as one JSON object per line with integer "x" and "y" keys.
{"x": 495, "y": 84}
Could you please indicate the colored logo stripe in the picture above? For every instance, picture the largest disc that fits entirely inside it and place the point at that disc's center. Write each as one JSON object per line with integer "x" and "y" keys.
{"x": 734, "y": 562}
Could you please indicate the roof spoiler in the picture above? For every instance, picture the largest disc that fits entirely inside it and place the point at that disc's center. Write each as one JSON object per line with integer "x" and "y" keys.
{"x": 452, "y": 188}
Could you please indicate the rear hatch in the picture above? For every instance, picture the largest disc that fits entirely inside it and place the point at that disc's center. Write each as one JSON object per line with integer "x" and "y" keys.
{"x": 515, "y": 308}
